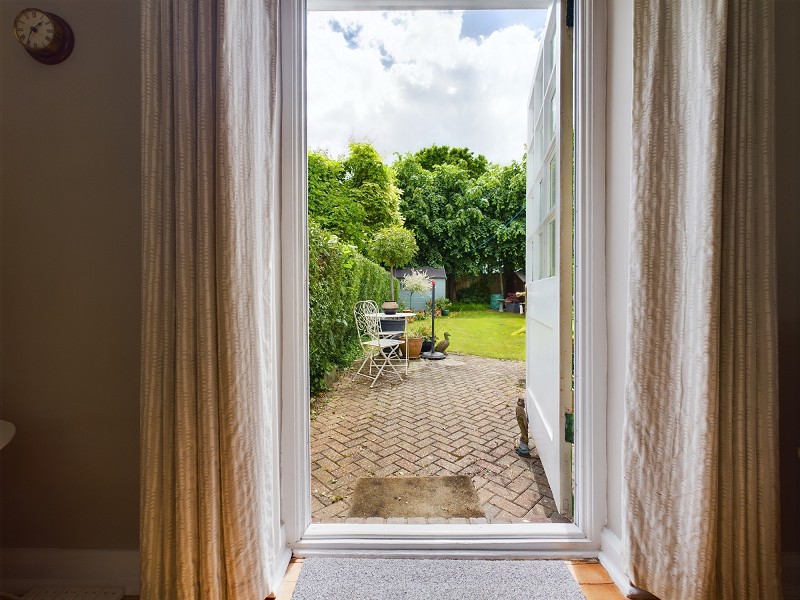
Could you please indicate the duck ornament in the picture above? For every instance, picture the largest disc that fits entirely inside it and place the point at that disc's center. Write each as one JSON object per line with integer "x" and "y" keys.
{"x": 442, "y": 346}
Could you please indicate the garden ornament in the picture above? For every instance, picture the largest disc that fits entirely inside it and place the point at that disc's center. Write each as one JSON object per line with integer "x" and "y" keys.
{"x": 522, "y": 420}
{"x": 442, "y": 346}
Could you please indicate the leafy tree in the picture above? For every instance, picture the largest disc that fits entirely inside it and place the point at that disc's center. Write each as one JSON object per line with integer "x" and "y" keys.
{"x": 461, "y": 157}
{"x": 330, "y": 202}
{"x": 446, "y": 215}
{"x": 393, "y": 246}
{"x": 372, "y": 184}
{"x": 467, "y": 214}
{"x": 504, "y": 188}
{"x": 352, "y": 197}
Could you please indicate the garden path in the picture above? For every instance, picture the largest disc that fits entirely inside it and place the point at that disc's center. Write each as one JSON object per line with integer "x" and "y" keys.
{"x": 450, "y": 417}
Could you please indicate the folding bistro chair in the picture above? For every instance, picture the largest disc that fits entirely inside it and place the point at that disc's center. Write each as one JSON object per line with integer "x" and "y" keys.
{"x": 381, "y": 348}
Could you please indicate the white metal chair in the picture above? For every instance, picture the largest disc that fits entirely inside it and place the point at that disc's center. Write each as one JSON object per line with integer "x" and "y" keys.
{"x": 381, "y": 348}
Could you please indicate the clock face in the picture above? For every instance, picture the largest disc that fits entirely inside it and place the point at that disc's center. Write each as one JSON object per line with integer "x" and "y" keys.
{"x": 34, "y": 29}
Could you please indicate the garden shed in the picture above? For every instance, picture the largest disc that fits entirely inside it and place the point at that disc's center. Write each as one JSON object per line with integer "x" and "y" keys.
{"x": 439, "y": 277}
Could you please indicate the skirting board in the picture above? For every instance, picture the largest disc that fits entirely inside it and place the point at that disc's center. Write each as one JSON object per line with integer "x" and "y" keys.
{"x": 22, "y": 569}
{"x": 791, "y": 575}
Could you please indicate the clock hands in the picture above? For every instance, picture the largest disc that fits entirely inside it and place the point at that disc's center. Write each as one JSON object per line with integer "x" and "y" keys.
{"x": 46, "y": 37}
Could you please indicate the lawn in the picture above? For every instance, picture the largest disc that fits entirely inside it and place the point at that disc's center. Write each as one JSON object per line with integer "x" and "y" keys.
{"x": 484, "y": 333}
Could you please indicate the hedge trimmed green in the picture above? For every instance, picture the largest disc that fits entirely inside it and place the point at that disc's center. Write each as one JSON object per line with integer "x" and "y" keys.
{"x": 338, "y": 278}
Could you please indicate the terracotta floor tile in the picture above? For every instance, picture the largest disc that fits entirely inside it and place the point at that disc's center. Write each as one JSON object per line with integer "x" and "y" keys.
{"x": 601, "y": 591}
{"x": 589, "y": 573}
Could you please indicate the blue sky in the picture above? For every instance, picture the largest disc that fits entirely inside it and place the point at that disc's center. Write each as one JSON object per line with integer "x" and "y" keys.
{"x": 406, "y": 80}
{"x": 478, "y": 23}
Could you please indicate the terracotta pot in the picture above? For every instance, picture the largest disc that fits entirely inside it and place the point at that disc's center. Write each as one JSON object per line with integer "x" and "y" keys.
{"x": 411, "y": 347}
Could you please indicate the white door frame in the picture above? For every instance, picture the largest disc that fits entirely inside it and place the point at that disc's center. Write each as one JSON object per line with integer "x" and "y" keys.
{"x": 491, "y": 540}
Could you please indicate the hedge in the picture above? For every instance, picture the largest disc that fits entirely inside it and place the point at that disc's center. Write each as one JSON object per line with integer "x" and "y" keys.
{"x": 338, "y": 278}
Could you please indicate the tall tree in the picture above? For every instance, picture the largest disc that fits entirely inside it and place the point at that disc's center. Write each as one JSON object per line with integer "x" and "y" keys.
{"x": 373, "y": 186}
{"x": 330, "y": 202}
{"x": 468, "y": 217}
{"x": 353, "y": 197}
{"x": 461, "y": 157}
{"x": 504, "y": 188}
{"x": 446, "y": 215}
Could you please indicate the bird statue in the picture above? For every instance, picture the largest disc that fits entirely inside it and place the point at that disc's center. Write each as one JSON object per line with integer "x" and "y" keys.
{"x": 442, "y": 346}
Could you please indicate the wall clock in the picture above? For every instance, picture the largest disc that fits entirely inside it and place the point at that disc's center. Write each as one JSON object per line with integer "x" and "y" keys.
{"x": 45, "y": 36}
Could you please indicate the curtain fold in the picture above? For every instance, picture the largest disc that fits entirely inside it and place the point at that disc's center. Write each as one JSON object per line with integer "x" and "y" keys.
{"x": 209, "y": 503}
{"x": 700, "y": 487}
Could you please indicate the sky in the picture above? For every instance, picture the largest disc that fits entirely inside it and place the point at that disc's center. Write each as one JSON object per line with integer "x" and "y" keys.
{"x": 406, "y": 80}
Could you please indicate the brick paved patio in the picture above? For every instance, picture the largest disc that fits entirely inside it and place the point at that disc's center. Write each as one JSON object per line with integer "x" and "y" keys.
{"x": 450, "y": 417}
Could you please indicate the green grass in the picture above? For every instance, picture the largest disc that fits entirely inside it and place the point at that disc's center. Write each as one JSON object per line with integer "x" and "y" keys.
{"x": 462, "y": 306}
{"x": 486, "y": 333}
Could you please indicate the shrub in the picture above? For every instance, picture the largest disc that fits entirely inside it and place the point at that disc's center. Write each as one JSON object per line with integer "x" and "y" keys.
{"x": 338, "y": 278}
{"x": 443, "y": 303}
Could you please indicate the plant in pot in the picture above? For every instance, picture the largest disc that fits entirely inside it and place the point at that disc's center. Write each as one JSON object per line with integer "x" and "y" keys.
{"x": 512, "y": 303}
{"x": 417, "y": 282}
{"x": 443, "y": 304}
{"x": 421, "y": 328}
{"x": 391, "y": 246}
{"x": 412, "y": 342}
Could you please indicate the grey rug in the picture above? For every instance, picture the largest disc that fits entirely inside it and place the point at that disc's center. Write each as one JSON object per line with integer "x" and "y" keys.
{"x": 330, "y": 578}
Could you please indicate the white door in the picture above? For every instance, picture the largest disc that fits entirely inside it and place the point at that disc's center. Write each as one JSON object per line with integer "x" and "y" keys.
{"x": 549, "y": 255}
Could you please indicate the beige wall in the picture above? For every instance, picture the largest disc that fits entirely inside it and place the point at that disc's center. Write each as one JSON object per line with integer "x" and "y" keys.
{"x": 69, "y": 270}
{"x": 70, "y": 261}
{"x": 788, "y": 174}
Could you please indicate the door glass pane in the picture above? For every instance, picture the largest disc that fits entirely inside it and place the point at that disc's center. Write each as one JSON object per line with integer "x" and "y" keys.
{"x": 543, "y": 208}
{"x": 552, "y": 196}
{"x": 541, "y": 267}
{"x": 551, "y": 251}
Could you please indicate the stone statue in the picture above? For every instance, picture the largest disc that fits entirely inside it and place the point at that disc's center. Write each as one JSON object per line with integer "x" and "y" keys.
{"x": 522, "y": 420}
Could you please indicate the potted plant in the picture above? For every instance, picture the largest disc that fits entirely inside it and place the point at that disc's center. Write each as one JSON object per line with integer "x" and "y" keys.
{"x": 443, "y": 304}
{"x": 416, "y": 282}
{"x": 512, "y": 303}
{"x": 421, "y": 327}
{"x": 393, "y": 245}
{"x": 411, "y": 343}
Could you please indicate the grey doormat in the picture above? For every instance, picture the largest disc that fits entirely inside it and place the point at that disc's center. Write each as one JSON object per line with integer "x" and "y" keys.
{"x": 443, "y": 497}
{"x": 332, "y": 578}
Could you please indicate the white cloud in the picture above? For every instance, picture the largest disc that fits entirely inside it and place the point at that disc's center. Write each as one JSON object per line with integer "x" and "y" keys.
{"x": 404, "y": 81}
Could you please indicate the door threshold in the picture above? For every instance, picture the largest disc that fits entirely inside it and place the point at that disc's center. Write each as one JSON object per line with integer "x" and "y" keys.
{"x": 514, "y": 540}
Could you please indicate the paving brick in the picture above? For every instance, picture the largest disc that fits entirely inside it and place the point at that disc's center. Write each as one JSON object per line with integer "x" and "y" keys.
{"x": 400, "y": 427}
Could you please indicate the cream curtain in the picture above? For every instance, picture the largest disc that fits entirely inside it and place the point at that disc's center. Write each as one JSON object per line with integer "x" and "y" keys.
{"x": 701, "y": 400}
{"x": 209, "y": 497}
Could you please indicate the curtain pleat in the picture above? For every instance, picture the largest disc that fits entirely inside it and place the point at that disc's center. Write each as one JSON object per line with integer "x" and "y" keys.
{"x": 701, "y": 397}
{"x": 209, "y": 510}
